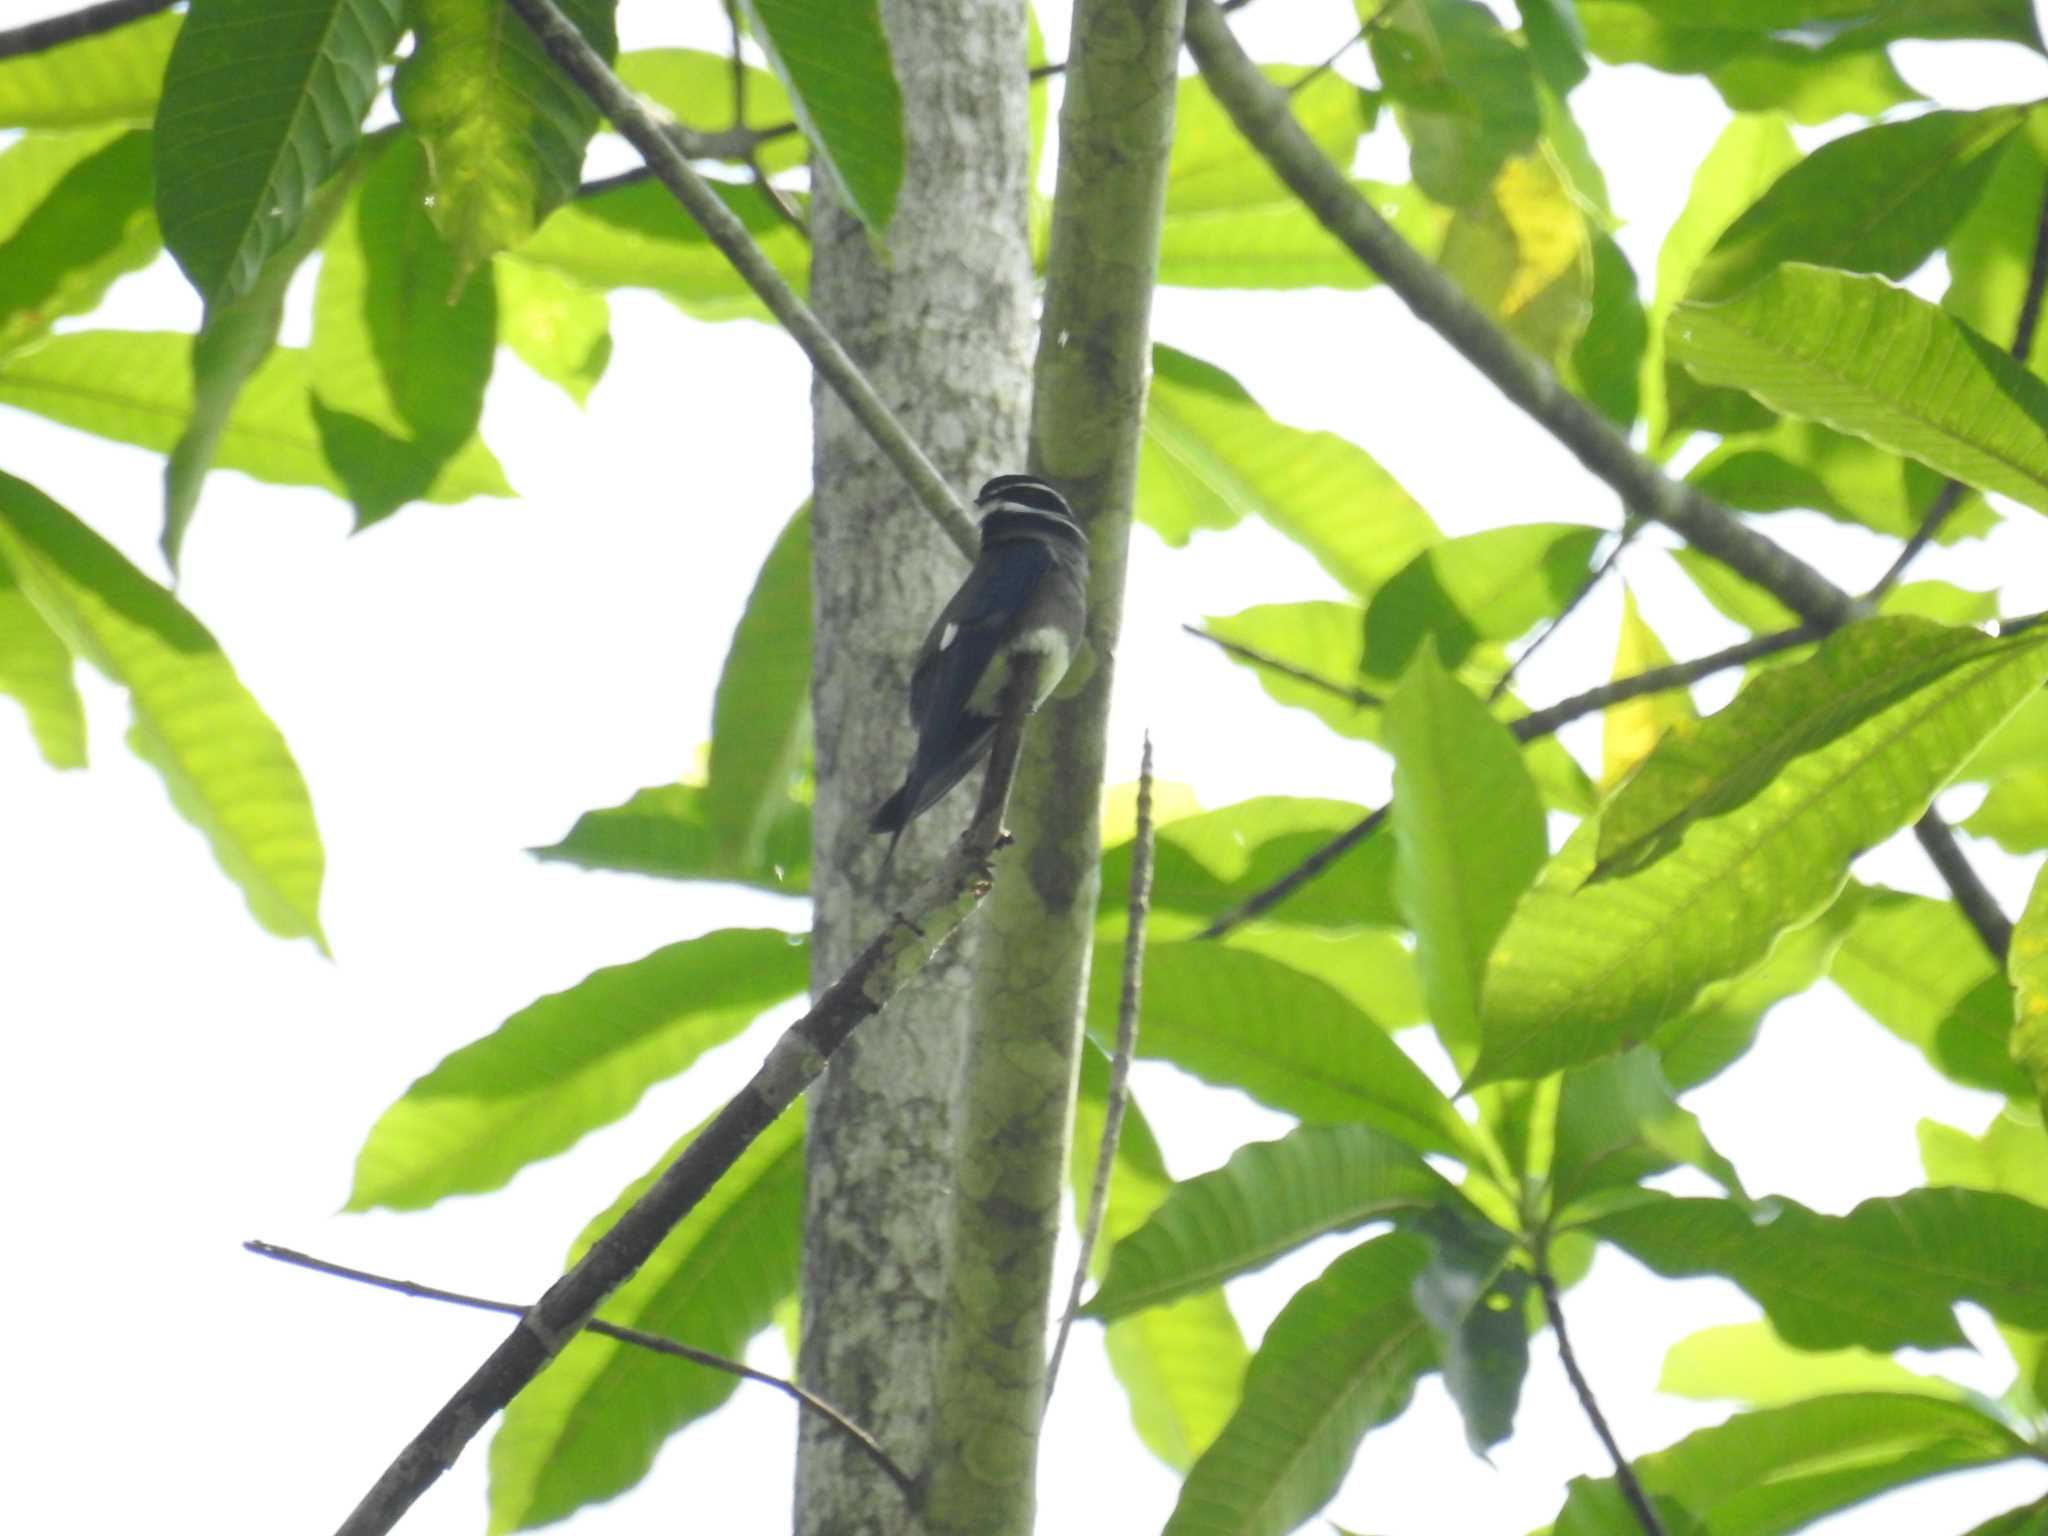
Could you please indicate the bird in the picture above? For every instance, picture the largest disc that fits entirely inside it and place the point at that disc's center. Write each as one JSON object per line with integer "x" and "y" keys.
{"x": 1027, "y": 594}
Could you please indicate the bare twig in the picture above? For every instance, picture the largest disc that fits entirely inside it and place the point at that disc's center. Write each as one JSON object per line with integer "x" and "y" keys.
{"x": 1630, "y": 527}
{"x": 55, "y": 31}
{"x": 1258, "y": 658}
{"x": 1624, "y": 1474}
{"x": 902, "y": 949}
{"x": 1265, "y": 900}
{"x": 1119, "y": 1062}
{"x": 1971, "y": 893}
{"x": 577, "y": 59}
{"x": 776, "y": 198}
{"x": 633, "y": 1336}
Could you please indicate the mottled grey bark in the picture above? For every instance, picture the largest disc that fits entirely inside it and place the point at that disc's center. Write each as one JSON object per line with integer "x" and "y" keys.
{"x": 942, "y": 326}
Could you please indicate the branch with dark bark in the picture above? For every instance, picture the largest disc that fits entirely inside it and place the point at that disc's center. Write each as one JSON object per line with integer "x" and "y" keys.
{"x": 581, "y": 63}
{"x": 654, "y": 1343}
{"x": 74, "y": 26}
{"x": 902, "y": 949}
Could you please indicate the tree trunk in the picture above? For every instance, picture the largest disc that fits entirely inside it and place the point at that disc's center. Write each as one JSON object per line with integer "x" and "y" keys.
{"x": 942, "y": 325}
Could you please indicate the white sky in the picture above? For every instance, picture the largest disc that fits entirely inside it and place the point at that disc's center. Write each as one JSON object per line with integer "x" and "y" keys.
{"x": 459, "y": 684}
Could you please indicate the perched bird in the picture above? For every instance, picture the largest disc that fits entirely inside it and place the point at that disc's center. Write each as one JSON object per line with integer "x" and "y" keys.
{"x": 1027, "y": 594}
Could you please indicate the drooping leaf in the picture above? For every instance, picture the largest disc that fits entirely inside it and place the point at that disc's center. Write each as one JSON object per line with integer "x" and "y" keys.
{"x": 75, "y": 214}
{"x": 1468, "y": 834}
{"x": 36, "y": 672}
{"x": 504, "y": 129}
{"x": 569, "y": 1063}
{"x": 259, "y": 107}
{"x": 2028, "y": 967}
{"x": 1490, "y": 587}
{"x": 1886, "y": 1276}
{"x": 225, "y": 765}
{"x": 665, "y": 830}
{"x": 554, "y": 325}
{"x": 1342, "y": 1357}
{"x": 1266, "y": 1201}
{"x": 1463, "y": 89}
{"x": 1869, "y": 359}
{"x": 113, "y": 77}
{"x": 1211, "y": 457}
{"x": 1748, "y": 1363}
{"x": 1472, "y": 1299}
{"x": 1583, "y": 971}
{"x": 835, "y": 63}
{"x": 590, "y": 1426}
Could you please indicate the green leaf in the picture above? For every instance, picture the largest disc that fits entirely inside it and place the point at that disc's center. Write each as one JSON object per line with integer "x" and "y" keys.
{"x": 1322, "y": 639}
{"x": 1631, "y": 729}
{"x": 1596, "y": 1507}
{"x": 835, "y": 63}
{"x": 1240, "y": 1020}
{"x": 1281, "y": 244}
{"x": 1811, "y": 85}
{"x": 400, "y": 362}
{"x": 1473, "y": 1302}
{"x": 1468, "y": 834}
{"x": 1618, "y": 1124}
{"x": 258, "y": 109}
{"x": 636, "y": 236}
{"x": 1866, "y": 358}
{"x": 2028, "y": 967}
{"x": 554, "y": 325}
{"x": 1991, "y": 251}
{"x": 761, "y": 719}
{"x": 35, "y": 671}
{"x": 136, "y": 387}
{"x": 75, "y": 214}
{"x": 1207, "y": 863}
{"x": 112, "y": 77}
{"x": 1886, "y": 1276}
{"x": 695, "y": 87}
{"x": 2015, "y": 813}
{"x": 1748, "y": 1363}
{"x": 1490, "y": 587}
{"x": 1777, "y": 1470}
{"x": 666, "y": 831}
{"x": 1880, "y": 200}
{"x": 2011, "y": 1155}
{"x": 504, "y": 129}
{"x": 1523, "y": 252}
{"x": 1267, "y": 1200}
{"x": 1582, "y": 972}
{"x": 1342, "y": 1357}
{"x": 1182, "y": 1364}
{"x": 569, "y": 1063}
{"x": 1373, "y": 968}
{"x": 590, "y": 1426}
{"x": 1212, "y": 170}
{"x": 1211, "y": 457}
{"x": 226, "y": 767}
{"x": 1606, "y": 364}
{"x": 1464, "y": 91}
{"x": 2027, "y": 1520}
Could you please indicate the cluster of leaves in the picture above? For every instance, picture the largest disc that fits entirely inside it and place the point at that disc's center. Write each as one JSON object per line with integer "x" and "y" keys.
{"x": 1579, "y": 991}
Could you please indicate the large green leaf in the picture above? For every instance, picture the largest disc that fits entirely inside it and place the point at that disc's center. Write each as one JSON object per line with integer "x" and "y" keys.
{"x": 761, "y": 717}
{"x": 665, "y": 830}
{"x": 112, "y": 77}
{"x": 1587, "y": 969}
{"x": 1886, "y": 1276}
{"x": 569, "y": 1063}
{"x": 504, "y": 128}
{"x": 1342, "y": 1356}
{"x": 1182, "y": 1364}
{"x": 226, "y": 767}
{"x": 1866, "y": 358}
{"x": 554, "y": 325}
{"x": 136, "y": 387}
{"x": 2028, "y": 967}
{"x": 1242, "y": 1020}
{"x": 1211, "y": 457}
{"x": 259, "y": 107}
{"x": 1266, "y": 1201}
{"x": 1212, "y": 168}
{"x": 1778, "y": 1469}
{"x": 1464, "y": 91}
{"x": 834, "y": 61}
{"x": 1748, "y": 1363}
{"x": 590, "y": 1426}
{"x": 1468, "y": 837}
{"x": 1879, "y": 200}
{"x": 75, "y": 214}
{"x": 36, "y": 672}
{"x": 1485, "y": 587}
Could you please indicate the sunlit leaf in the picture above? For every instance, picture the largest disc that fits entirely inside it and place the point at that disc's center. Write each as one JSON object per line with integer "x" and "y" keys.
{"x": 2028, "y": 967}
{"x": 112, "y": 77}
{"x": 2015, "y": 812}
{"x": 1618, "y": 1123}
{"x": 695, "y": 87}
{"x": 75, "y": 214}
{"x": 1464, "y": 91}
{"x": 1748, "y": 1363}
{"x": 36, "y": 672}
{"x": 1522, "y": 251}
{"x": 1630, "y": 729}
{"x": 665, "y": 830}
{"x": 554, "y": 325}
{"x": 835, "y": 63}
{"x": 761, "y": 716}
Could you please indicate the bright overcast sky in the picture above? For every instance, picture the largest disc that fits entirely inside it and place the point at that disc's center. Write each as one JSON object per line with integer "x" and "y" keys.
{"x": 460, "y": 683}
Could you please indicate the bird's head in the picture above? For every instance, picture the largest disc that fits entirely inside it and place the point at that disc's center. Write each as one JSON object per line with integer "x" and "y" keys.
{"x": 1025, "y": 507}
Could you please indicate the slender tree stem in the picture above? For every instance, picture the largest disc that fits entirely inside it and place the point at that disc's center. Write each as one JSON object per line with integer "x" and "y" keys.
{"x": 1119, "y": 1092}
{"x": 652, "y": 1342}
{"x": 577, "y": 59}
{"x": 1624, "y": 1474}
{"x": 55, "y": 31}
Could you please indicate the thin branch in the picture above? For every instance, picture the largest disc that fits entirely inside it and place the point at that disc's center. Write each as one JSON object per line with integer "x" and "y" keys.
{"x": 1951, "y": 493}
{"x": 1624, "y": 1474}
{"x": 774, "y": 194}
{"x": 902, "y": 949}
{"x": 1630, "y": 527}
{"x": 633, "y": 1336}
{"x": 577, "y": 59}
{"x": 1264, "y": 901}
{"x": 1971, "y": 893}
{"x": 1258, "y": 658}
{"x": 1119, "y": 1062}
{"x": 55, "y": 31}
